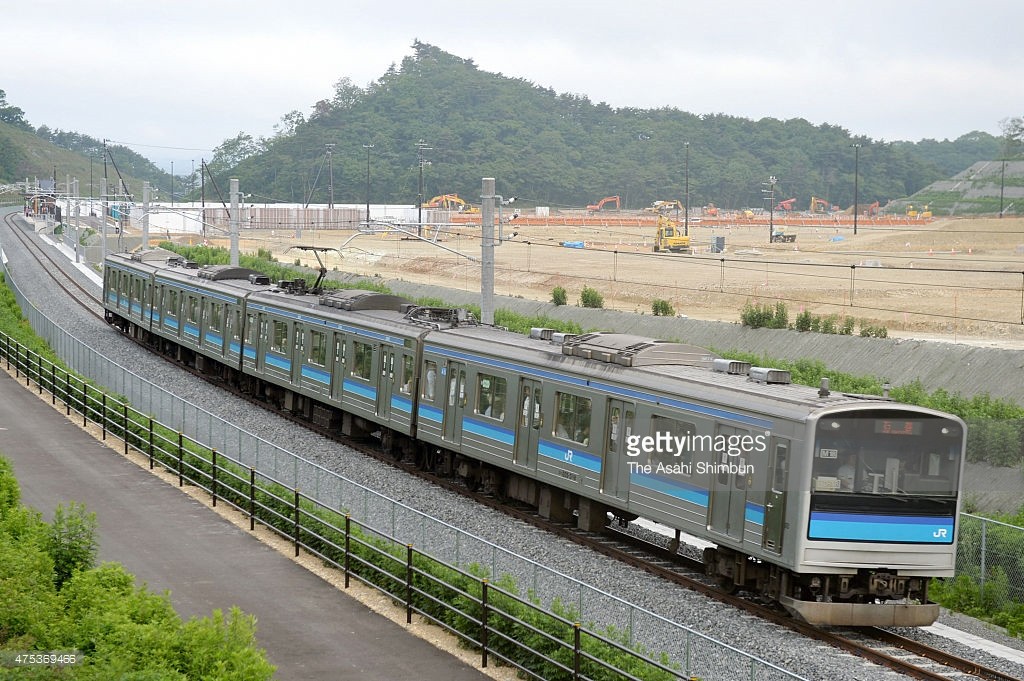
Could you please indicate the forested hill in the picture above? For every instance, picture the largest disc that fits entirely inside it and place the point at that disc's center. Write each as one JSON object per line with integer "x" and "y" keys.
{"x": 563, "y": 150}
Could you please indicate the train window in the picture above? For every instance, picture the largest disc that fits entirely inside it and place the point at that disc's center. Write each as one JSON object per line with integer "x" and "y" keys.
{"x": 429, "y": 380}
{"x": 572, "y": 419}
{"x": 318, "y": 348}
{"x": 780, "y": 467}
{"x": 457, "y": 388}
{"x": 251, "y": 330}
{"x": 172, "y": 304}
{"x": 216, "y": 313}
{"x": 491, "y": 394}
{"x": 236, "y": 325}
{"x": 192, "y": 310}
{"x": 362, "y": 365}
{"x": 279, "y": 337}
{"x": 407, "y": 374}
{"x": 681, "y": 435}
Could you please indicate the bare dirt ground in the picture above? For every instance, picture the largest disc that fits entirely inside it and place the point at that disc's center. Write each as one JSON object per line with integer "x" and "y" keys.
{"x": 951, "y": 278}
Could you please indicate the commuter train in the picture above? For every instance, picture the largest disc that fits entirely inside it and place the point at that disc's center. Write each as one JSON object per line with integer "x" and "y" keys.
{"x": 840, "y": 507}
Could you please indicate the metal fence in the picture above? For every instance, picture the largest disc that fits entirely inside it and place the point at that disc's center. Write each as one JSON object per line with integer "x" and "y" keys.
{"x": 991, "y": 554}
{"x": 683, "y": 647}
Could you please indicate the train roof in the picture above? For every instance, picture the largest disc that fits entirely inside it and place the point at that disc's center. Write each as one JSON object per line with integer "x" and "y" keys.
{"x": 661, "y": 367}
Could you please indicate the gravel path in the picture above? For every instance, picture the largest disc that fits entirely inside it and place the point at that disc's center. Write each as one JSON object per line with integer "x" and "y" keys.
{"x": 774, "y": 644}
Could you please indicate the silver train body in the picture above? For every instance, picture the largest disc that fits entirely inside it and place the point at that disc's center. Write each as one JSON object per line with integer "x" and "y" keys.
{"x": 839, "y": 507}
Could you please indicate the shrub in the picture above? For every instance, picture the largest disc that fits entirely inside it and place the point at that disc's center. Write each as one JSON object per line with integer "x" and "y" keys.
{"x": 72, "y": 541}
{"x": 767, "y": 316}
{"x": 803, "y": 321}
{"x": 662, "y": 308}
{"x": 590, "y": 297}
{"x": 559, "y": 296}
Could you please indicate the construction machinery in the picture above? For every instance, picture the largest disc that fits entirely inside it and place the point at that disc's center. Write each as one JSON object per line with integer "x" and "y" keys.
{"x": 593, "y": 208}
{"x": 671, "y": 237}
{"x": 786, "y": 205}
{"x": 820, "y": 205}
{"x": 711, "y": 210}
{"x": 664, "y": 207}
{"x": 450, "y": 202}
{"x": 779, "y": 236}
{"x": 922, "y": 214}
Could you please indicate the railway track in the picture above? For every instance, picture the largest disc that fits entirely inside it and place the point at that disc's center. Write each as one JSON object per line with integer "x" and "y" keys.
{"x": 880, "y": 646}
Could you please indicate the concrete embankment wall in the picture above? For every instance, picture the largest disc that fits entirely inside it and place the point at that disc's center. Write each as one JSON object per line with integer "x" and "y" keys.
{"x": 965, "y": 369}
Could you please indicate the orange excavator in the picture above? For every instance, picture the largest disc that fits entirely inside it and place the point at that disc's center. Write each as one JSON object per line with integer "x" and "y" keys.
{"x": 785, "y": 205}
{"x": 593, "y": 208}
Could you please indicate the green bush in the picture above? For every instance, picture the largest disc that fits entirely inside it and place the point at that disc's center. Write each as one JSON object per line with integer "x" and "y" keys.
{"x": 559, "y": 296}
{"x": 803, "y": 321}
{"x": 72, "y": 541}
{"x": 767, "y": 316}
{"x": 662, "y": 308}
{"x": 590, "y": 297}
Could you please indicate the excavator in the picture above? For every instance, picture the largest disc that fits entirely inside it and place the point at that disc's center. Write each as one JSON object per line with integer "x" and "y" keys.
{"x": 786, "y": 205}
{"x": 593, "y": 208}
{"x": 819, "y": 205}
{"x": 450, "y": 202}
{"x": 670, "y": 237}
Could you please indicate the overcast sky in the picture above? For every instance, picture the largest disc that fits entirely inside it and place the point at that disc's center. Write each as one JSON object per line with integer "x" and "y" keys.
{"x": 175, "y": 79}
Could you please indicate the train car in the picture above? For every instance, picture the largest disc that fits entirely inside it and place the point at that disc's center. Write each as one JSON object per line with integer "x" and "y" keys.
{"x": 840, "y": 507}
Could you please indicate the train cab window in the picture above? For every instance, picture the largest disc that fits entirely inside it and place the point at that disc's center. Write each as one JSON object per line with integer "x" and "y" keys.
{"x": 362, "y": 356}
{"x": 887, "y": 452}
{"x": 780, "y": 467}
{"x": 491, "y": 394}
{"x": 429, "y": 380}
{"x": 279, "y": 337}
{"x": 318, "y": 348}
{"x": 572, "y": 418}
{"x": 681, "y": 435}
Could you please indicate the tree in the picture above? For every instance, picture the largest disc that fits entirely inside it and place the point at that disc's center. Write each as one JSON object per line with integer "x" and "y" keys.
{"x": 12, "y": 115}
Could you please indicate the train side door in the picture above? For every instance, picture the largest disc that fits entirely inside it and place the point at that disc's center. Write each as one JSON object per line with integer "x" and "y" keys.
{"x": 529, "y": 421}
{"x": 386, "y": 379}
{"x": 298, "y": 352}
{"x": 775, "y": 501}
{"x": 728, "y": 487}
{"x": 455, "y": 400}
{"x": 615, "y": 471}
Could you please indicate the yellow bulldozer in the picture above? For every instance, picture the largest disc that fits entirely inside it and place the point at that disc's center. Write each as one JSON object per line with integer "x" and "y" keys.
{"x": 670, "y": 237}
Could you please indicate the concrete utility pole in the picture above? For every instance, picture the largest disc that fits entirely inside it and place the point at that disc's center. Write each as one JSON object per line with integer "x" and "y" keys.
{"x": 487, "y": 251}
{"x": 234, "y": 221}
{"x": 145, "y": 214}
{"x": 103, "y": 217}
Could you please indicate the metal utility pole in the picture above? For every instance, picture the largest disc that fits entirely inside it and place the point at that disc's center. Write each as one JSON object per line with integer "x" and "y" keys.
{"x": 487, "y": 251}
{"x": 172, "y": 183}
{"x": 367, "y": 147}
{"x": 421, "y": 146}
{"x": 686, "y": 196}
{"x": 233, "y": 223}
{"x": 1002, "y": 183}
{"x": 856, "y": 183}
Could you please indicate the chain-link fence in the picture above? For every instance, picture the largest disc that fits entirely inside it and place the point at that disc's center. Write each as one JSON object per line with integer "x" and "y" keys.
{"x": 991, "y": 554}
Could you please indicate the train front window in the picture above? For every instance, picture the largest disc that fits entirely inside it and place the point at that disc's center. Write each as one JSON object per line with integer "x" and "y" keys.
{"x": 887, "y": 452}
